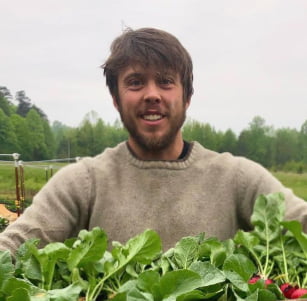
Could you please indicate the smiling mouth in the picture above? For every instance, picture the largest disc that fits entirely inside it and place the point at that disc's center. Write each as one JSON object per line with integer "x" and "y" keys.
{"x": 152, "y": 117}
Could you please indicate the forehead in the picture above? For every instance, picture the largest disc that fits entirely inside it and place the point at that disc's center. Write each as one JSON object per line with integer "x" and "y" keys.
{"x": 138, "y": 70}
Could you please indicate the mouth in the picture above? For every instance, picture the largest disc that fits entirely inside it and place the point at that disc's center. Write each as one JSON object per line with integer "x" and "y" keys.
{"x": 152, "y": 117}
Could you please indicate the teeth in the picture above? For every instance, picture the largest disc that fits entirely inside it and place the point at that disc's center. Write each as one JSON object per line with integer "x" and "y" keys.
{"x": 152, "y": 117}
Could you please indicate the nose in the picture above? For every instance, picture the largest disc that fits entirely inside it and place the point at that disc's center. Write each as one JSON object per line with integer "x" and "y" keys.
{"x": 152, "y": 93}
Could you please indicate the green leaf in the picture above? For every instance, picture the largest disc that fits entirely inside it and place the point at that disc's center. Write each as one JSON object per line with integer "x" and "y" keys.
{"x": 19, "y": 294}
{"x": 144, "y": 248}
{"x": 261, "y": 295}
{"x": 147, "y": 280}
{"x": 247, "y": 239}
{"x": 214, "y": 250}
{"x": 137, "y": 295}
{"x": 69, "y": 293}
{"x": 176, "y": 283}
{"x": 267, "y": 214}
{"x": 238, "y": 270}
{"x": 192, "y": 296}
{"x": 47, "y": 257}
{"x": 26, "y": 261}
{"x": 13, "y": 284}
{"x": 89, "y": 247}
{"x": 186, "y": 251}
{"x": 6, "y": 267}
{"x": 210, "y": 274}
{"x": 296, "y": 228}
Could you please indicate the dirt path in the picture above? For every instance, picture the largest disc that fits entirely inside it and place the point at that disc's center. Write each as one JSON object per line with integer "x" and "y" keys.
{"x": 9, "y": 215}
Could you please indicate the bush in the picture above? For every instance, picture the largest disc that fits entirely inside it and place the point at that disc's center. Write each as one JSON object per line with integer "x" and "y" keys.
{"x": 3, "y": 223}
{"x": 291, "y": 166}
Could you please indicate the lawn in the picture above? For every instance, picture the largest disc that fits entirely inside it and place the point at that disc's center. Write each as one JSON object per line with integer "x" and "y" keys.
{"x": 37, "y": 175}
{"x": 297, "y": 182}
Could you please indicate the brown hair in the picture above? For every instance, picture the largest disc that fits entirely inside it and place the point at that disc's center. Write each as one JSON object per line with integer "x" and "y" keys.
{"x": 148, "y": 47}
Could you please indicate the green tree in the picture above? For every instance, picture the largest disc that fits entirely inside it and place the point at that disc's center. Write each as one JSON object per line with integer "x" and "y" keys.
{"x": 228, "y": 142}
{"x": 255, "y": 142}
{"x": 100, "y": 137}
{"x": 8, "y": 140}
{"x": 5, "y": 104}
{"x": 35, "y": 126}
{"x": 303, "y": 142}
{"x": 201, "y": 132}
{"x": 85, "y": 139}
{"x": 286, "y": 145}
{"x": 49, "y": 138}
{"x": 22, "y": 132}
{"x": 24, "y": 103}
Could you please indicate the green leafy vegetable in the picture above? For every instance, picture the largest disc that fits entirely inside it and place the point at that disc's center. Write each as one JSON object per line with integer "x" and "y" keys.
{"x": 267, "y": 263}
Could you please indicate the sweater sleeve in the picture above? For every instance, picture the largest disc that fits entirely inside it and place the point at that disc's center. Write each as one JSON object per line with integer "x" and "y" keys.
{"x": 58, "y": 211}
{"x": 254, "y": 180}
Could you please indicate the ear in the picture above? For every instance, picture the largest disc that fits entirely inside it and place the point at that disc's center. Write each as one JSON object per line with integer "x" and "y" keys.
{"x": 115, "y": 104}
{"x": 187, "y": 103}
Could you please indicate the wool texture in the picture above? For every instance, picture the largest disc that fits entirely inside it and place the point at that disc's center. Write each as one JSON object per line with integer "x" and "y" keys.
{"x": 206, "y": 192}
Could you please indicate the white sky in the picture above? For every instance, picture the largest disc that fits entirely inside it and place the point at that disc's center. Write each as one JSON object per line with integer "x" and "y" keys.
{"x": 250, "y": 57}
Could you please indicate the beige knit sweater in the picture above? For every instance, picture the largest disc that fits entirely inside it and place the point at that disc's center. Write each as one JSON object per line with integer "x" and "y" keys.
{"x": 206, "y": 192}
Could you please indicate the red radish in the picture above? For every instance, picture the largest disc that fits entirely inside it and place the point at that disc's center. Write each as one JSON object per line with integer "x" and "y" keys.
{"x": 299, "y": 292}
{"x": 287, "y": 289}
{"x": 254, "y": 279}
{"x": 268, "y": 281}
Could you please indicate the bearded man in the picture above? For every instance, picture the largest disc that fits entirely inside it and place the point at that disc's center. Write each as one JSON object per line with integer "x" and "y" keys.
{"x": 155, "y": 179}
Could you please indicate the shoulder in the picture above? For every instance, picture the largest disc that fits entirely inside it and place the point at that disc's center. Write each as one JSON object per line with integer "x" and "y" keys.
{"x": 224, "y": 159}
{"x": 245, "y": 170}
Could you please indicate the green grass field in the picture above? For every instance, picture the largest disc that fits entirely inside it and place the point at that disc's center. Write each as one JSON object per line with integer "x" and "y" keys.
{"x": 36, "y": 176}
{"x": 297, "y": 182}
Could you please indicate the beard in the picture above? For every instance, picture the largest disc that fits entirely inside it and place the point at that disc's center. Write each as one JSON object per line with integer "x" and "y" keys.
{"x": 150, "y": 141}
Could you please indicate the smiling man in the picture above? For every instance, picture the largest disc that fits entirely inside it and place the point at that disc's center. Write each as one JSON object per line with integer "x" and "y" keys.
{"x": 149, "y": 74}
{"x": 155, "y": 179}
{"x": 152, "y": 107}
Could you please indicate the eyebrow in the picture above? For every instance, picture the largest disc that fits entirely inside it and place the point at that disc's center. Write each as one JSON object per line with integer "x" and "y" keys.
{"x": 132, "y": 75}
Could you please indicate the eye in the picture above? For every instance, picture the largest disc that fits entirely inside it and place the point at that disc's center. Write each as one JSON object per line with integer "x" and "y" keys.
{"x": 135, "y": 83}
{"x": 166, "y": 81}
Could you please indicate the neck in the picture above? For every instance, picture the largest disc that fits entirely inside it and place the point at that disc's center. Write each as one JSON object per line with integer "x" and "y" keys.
{"x": 169, "y": 153}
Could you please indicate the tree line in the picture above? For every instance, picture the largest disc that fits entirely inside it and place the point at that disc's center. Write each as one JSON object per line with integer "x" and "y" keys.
{"x": 25, "y": 129}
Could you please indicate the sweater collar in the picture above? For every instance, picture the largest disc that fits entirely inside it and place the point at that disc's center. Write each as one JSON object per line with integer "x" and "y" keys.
{"x": 163, "y": 164}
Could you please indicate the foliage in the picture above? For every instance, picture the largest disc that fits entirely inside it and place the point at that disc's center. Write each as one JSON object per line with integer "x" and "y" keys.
{"x": 196, "y": 268}
{"x": 25, "y": 129}
{"x": 296, "y": 182}
{"x": 3, "y": 223}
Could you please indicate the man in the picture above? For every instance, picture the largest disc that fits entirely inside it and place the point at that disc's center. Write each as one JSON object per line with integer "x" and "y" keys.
{"x": 155, "y": 179}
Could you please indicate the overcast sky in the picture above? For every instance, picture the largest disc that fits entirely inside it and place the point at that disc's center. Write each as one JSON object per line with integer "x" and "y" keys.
{"x": 250, "y": 56}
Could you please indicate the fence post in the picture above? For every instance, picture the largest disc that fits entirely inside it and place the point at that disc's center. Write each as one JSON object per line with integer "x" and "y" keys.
{"x": 22, "y": 186}
{"x": 17, "y": 202}
{"x": 46, "y": 173}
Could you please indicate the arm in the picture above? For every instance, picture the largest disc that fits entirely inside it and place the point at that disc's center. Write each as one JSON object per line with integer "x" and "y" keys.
{"x": 59, "y": 210}
{"x": 253, "y": 180}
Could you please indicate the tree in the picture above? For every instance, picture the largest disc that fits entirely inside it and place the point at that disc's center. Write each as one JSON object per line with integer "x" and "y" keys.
{"x": 255, "y": 142}
{"x": 303, "y": 142}
{"x": 85, "y": 139}
{"x": 49, "y": 138}
{"x": 8, "y": 140}
{"x": 24, "y": 103}
{"x": 5, "y": 104}
{"x": 36, "y": 135}
{"x": 228, "y": 142}
{"x": 203, "y": 133}
{"x": 286, "y": 145}
{"x": 22, "y": 132}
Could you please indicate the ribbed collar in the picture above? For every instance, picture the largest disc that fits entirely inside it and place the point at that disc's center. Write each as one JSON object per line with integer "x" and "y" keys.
{"x": 163, "y": 164}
